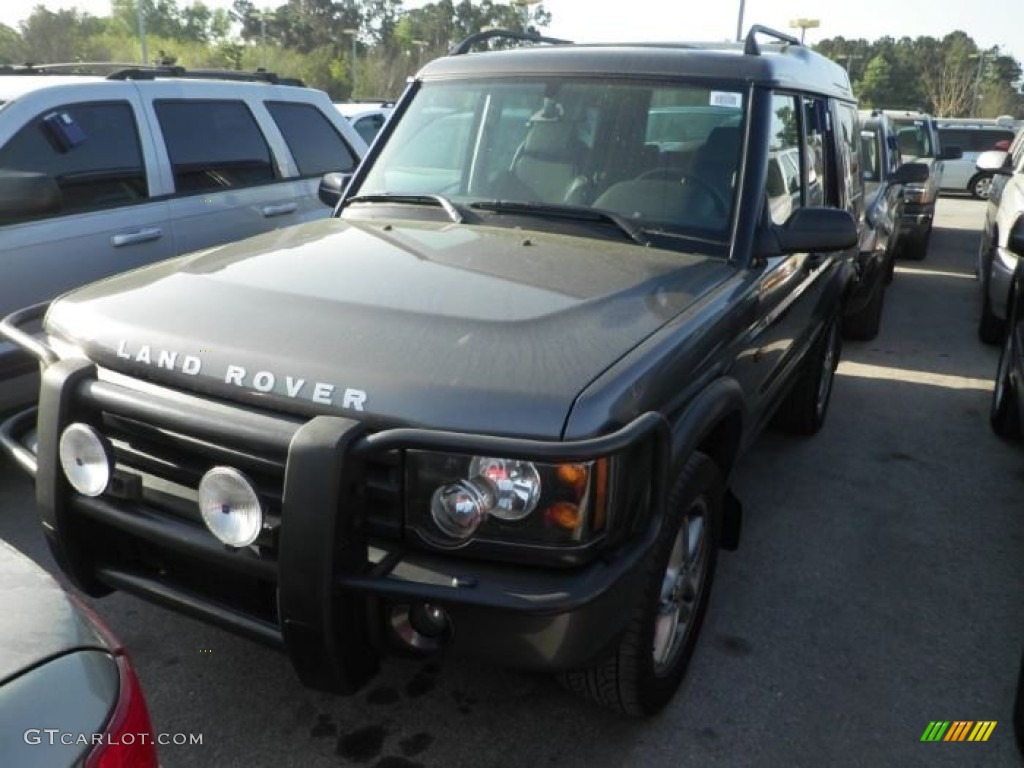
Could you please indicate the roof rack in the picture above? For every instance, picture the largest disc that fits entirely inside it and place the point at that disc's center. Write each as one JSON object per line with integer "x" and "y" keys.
{"x": 750, "y": 46}
{"x": 151, "y": 73}
{"x": 466, "y": 44}
{"x": 127, "y": 71}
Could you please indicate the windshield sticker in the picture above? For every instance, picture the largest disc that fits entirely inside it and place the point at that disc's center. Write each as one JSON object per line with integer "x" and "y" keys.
{"x": 726, "y": 99}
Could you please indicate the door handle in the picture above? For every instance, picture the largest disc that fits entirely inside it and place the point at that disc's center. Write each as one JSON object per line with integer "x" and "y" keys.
{"x": 278, "y": 210}
{"x": 139, "y": 236}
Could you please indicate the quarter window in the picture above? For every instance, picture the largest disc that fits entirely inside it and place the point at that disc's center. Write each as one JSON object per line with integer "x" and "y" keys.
{"x": 91, "y": 150}
{"x": 214, "y": 145}
{"x": 312, "y": 140}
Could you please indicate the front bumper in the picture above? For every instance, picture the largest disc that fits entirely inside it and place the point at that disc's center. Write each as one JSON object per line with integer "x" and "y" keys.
{"x": 324, "y": 582}
{"x": 916, "y": 219}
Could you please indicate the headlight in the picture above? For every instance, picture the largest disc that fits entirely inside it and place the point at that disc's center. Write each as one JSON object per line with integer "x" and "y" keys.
{"x": 230, "y": 506}
{"x": 453, "y": 499}
{"x": 914, "y": 193}
{"x": 85, "y": 457}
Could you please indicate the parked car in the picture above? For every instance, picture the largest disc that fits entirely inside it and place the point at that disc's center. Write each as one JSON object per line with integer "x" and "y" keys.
{"x": 962, "y": 175}
{"x": 919, "y": 142}
{"x": 493, "y": 406}
{"x": 366, "y": 117}
{"x": 68, "y": 694}
{"x": 884, "y": 178}
{"x": 100, "y": 174}
{"x": 996, "y": 260}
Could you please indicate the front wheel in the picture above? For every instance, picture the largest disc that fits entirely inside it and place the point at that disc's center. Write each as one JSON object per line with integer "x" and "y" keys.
{"x": 644, "y": 670}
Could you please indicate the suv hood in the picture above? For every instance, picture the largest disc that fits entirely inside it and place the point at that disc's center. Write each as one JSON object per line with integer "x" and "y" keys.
{"x": 462, "y": 327}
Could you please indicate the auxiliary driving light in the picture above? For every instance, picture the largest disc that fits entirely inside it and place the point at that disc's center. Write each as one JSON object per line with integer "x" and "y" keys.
{"x": 85, "y": 458}
{"x": 230, "y": 506}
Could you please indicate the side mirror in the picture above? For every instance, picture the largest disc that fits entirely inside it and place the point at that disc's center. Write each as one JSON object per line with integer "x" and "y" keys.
{"x": 1016, "y": 240}
{"x": 331, "y": 187}
{"x": 994, "y": 161}
{"x": 910, "y": 173}
{"x": 951, "y": 153}
{"x": 25, "y": 195}
{"x": 817, "y": 229}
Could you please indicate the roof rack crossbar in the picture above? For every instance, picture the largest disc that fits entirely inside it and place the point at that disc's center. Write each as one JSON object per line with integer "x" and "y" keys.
{"x": 466, "y": 44}
{"x": 750, "y": 46}
{"x": 150, "y": 73}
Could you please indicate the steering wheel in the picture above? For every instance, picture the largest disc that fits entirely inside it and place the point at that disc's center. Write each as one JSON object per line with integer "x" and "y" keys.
{"x": 720, "y": 202}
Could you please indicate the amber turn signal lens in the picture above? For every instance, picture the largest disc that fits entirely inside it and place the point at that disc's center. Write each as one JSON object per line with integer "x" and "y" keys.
{"x": 564, "y": 515}
{"x": 574, "y": 476}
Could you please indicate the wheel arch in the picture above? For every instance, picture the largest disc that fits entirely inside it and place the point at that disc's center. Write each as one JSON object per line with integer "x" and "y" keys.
{"x": 712, "y": 423}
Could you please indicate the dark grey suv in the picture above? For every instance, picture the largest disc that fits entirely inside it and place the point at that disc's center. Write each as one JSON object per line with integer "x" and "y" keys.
{"x": 493, "y": 406}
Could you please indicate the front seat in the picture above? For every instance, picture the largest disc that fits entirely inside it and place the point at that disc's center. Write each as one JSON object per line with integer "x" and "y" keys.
{"x": 549, "y": 162}
{"x": 718, "y": 160}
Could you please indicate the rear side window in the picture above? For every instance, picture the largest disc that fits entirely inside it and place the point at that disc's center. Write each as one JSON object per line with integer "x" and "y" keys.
{"x": 313, "y": 141}
{"x": 91, "y": 150}
{"x": 848, "y": 134}
{"x": 369, "y": 126}
{"x": 214, "y": 145}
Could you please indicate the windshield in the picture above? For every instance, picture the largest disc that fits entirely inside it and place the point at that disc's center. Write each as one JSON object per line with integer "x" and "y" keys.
{"x": 662, "y": 156}
{"x": 915, "y": 140}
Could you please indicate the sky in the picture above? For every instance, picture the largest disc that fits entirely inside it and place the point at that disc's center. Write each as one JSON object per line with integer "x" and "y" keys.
{"x": 989, "y": 22}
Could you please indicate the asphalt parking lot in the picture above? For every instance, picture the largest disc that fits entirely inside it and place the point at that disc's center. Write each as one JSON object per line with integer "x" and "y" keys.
{"x": 877, "y": 587}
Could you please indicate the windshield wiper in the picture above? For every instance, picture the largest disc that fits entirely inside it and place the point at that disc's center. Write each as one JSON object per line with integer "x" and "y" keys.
{"x": 386, "y": 197}
{"x": 578, "y": 212}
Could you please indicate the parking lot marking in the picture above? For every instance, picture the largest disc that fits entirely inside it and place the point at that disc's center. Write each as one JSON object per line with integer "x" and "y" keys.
{"x": 934, "y": 273}
{"x": 866, "y": 371}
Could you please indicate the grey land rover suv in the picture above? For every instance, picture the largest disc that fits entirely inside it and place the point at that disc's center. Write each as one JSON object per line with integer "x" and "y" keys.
{"x": 493, "y": 405}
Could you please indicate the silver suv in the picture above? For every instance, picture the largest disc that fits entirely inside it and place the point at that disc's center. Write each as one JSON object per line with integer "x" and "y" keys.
{"x": 101, "y": 174}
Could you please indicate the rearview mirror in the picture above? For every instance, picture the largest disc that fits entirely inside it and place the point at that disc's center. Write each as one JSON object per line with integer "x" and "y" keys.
{"x": 817, "y": 229}
{"x": 25, "y": 195}
{"x": 910, "y": 173}
{"x": 331, "y": 187}
{"x": 994, "y": 161}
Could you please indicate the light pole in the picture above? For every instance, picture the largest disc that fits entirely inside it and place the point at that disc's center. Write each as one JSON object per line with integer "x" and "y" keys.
{"x": 980, "y": 56}
{"x": 420, "y": 45}
{"x": 739, "y": 22}
{"x": 352, "y": 32}
{"x": 803, "y": 25}
{"x": 141, "y": 14}
{"x": 263, "y": 39}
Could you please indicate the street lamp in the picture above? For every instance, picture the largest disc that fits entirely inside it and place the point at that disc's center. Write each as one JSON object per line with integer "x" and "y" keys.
{"x": 739, "y": 23}
{"x": 980, "y": 56}
{"x": 352, "y": 32}
{"x": 141, "y": 15}
{"x": 803, "y": 25}
{"x": 263, "y": 38}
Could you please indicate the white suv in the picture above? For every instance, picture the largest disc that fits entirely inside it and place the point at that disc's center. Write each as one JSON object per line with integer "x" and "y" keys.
{"x": 100, "y": 174}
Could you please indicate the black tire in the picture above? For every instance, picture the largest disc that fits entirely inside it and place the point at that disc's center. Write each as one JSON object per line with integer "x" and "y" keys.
{"x": 864, "y": 325}
{"x": 916, "y": 248}
{"x": 804, "y": 409}
{"x": 979, "y": 185}
{"x": 1004, "y": 415}
{"x": 991, "y": 329}
{"x": 630, "y": 680}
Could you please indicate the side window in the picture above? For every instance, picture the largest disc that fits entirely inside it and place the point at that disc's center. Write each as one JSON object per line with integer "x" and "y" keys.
{"x": 213, "y": 145}
{"x": 314, "y": 143}
{"x": 819, "y": 185}
{"x": 784, "y": 182}
{"x": 869, "y": 151}
{"x": 91, "y": 150}
{"x": 848, "y": 144}
{"x": 369, "y": 126}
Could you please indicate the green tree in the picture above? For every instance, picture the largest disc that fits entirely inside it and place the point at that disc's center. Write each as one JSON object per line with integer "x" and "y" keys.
{"x": 57, "y": 36}
{"x": 877, "y": 88}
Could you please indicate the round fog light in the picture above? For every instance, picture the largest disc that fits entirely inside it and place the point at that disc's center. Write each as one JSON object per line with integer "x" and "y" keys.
{"x": 85, "y": 458}
{"x": 230, "y": 506}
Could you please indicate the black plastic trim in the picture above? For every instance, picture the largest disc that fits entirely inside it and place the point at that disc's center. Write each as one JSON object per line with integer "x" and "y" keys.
{"x": 191, "y": 605}
{"x": 11, "y": 330}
